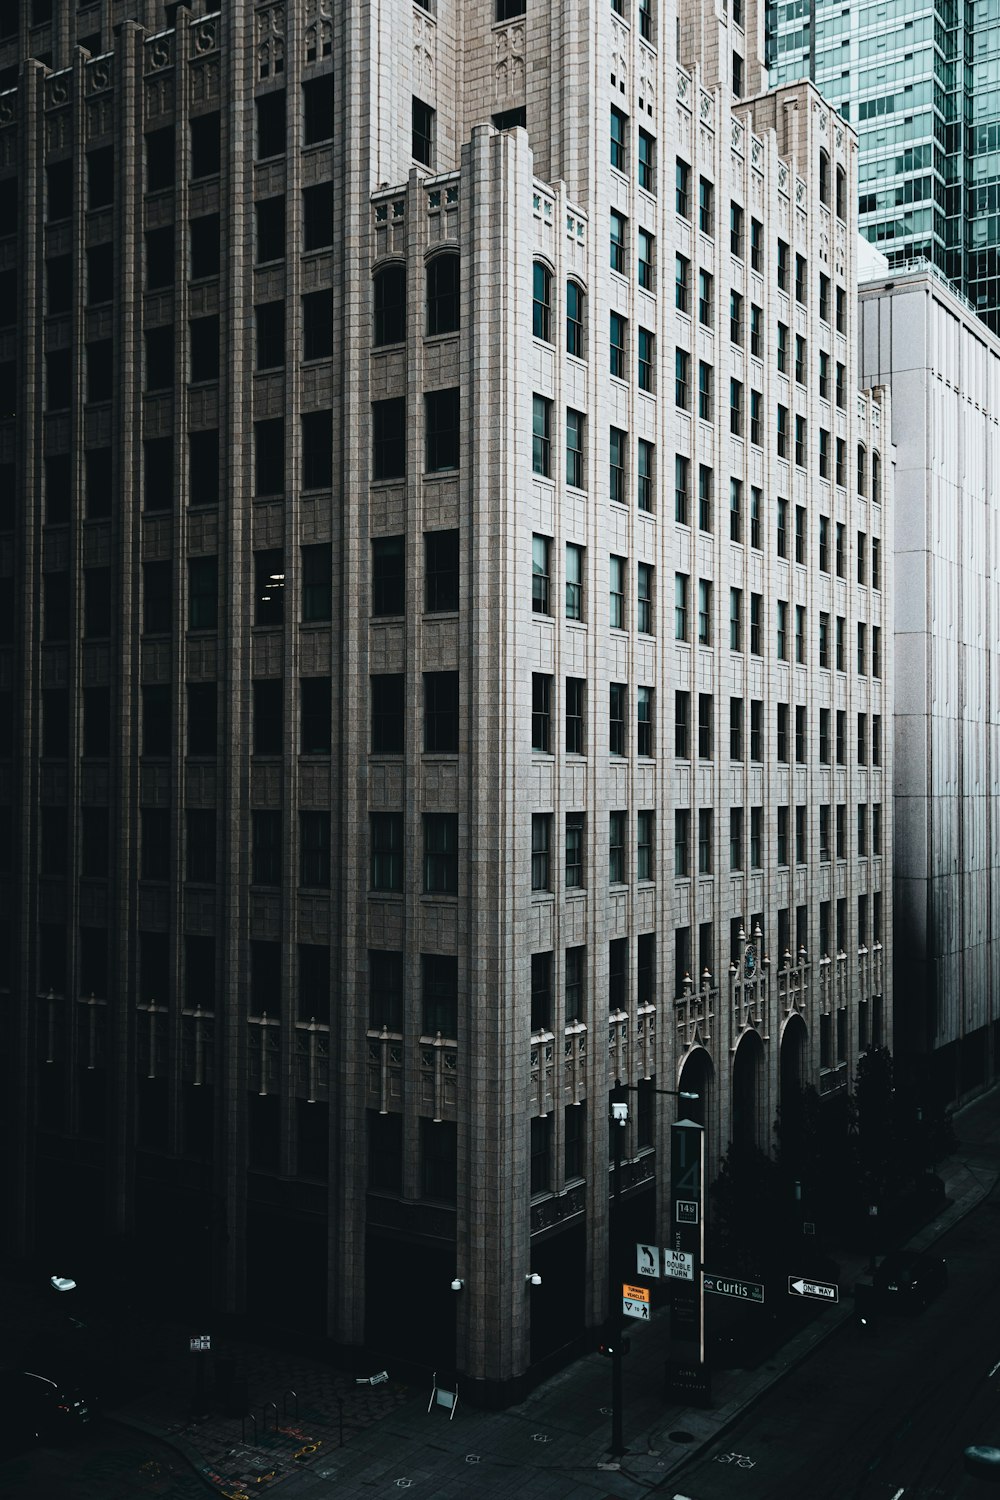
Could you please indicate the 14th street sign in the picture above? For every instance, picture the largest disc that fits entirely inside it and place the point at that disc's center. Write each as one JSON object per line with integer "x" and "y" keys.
{"x": 825, "y": 1291}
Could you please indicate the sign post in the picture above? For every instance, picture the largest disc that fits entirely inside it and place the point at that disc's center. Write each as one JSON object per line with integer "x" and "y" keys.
{"x": 687, "y": 1374}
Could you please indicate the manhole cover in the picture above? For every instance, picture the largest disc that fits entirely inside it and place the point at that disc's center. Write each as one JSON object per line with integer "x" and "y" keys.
{"x": 681, "y": 1437}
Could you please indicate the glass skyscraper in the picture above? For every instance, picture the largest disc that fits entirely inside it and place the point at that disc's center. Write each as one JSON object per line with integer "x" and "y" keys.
{"x": 921, "y": 85}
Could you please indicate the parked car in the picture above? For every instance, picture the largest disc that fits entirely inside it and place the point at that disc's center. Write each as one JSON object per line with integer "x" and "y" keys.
{"x": 908, "y": 1278}
{"x": 34, "y": 1407}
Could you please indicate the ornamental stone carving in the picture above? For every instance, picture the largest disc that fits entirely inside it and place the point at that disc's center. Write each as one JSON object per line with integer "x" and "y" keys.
{"x": 508, "y": 66}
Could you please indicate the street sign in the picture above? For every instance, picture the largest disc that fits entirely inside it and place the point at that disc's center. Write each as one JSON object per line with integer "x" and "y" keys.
{"x": 647, "y": 1260}
{"x": 726, "y": 1286}
{"x": 678, "y": 1264}
{"x": 635, "y": 1301}
{"x": 824, "y": 1290}
{"x": 687, "y": 1211}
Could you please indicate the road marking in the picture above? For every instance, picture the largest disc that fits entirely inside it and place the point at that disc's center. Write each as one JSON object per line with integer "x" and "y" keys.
{"x": 897, "y": 1495}
{"x": 995, "y": 1368}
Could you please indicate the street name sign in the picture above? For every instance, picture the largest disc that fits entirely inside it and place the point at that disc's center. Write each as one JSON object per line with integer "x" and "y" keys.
{"x": 678, "y": 1264}
{"x": 647, "y": 1260}
{"x": 687, "y": 1211}
{"x": 635, "y": 1301}
{"x": 825, "y": 1291}
{"x": 728, "y": 1286}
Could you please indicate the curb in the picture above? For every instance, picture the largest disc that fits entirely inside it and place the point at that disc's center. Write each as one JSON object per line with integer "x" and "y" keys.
{"x": 184, "y": 1450}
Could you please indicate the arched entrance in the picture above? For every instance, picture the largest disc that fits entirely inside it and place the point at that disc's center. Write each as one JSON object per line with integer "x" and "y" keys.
{"x": 748, "y": 1092}
{"x": 794, "y": 1043}
{"x": 697, "y": 1077}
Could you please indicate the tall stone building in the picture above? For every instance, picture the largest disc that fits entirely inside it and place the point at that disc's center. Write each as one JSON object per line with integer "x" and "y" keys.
{"x": 445, "y": 645}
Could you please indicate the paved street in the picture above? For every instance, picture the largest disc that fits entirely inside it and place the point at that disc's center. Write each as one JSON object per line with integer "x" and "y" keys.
{"x": 111, "y": 1464}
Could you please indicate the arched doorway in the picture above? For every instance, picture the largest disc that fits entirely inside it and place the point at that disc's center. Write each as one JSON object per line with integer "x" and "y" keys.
{"x": 697, "y": 1076}
{"x": 794, "y": 1043}
{"x": 748, "y": 1091}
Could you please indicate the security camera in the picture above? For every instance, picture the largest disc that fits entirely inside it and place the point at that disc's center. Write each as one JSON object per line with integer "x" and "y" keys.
{"x": 619, "y": 1114}
{"x": 457, "y": 1284}
{"x": 533, "y": 1278}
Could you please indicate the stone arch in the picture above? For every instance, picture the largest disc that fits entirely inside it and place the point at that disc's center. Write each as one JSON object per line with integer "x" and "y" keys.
{"x": 697, "y": 1076}
{"x": 748, "y": 1089}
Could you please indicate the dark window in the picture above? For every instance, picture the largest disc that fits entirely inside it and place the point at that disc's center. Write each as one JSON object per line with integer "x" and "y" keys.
{"x": 386, "y": 990}
{"x": 159, "y": 257}
{"x": 58, "y": 488}
{"x": 575, "y": 742}
{"x": 270, "y": 124}
{"x": 100, "y": 274}
{"x": 100, "y": 177}
{"x": 266, "y": 858}
{"x": 205, "y": 145}
{"x": 387, "y": 851}
{"x": 385, "y": 1152}
{"x": 443, "y": 299}
{"x": 574, "y": 319}
{"x": 95, "y": 843}
{"x": 314, "y": 851}
{"x": 97, "y": 721}
{"x": 154, "y": 861}
{"x": 52, "y": 843}
{"x": 541, "y": 304}
{"x": 200, "y": 852}
{"x": 441, "y": 409}
{"x": 56, "y": 611}
{"x": 204, "y": 346}
{"x": 160, "y": 159}
{"x": 96, "y": 602}
{"x": 156, "y": 726}
{"x": 388, "y": 575}
{"x": 541, "y": 712}
{"x": 438, "y": 1160}
{"x": 441, "y": 713}
{"x": 507, "y": 119}
{"x": 270, "y": 216}
{"x": 157, "y": 597}
{"x": 422, "y": 132}
{"x": 269, "y": 586}
{"x": 541, "y": 991}
{"x": 317, "y": 110}
{"x": 541, "y": 851}
{"x": 203, "y": 467}
{"x": 317, "y": 216}
{"x": 315, "y": 703}
{"x": 269, "y": 456}
{"x": 270, "y": 319}
{"x": 389, "y": 438}
{"x": 58, "y": 380}
{"x": 55, "y": 722}
{"x": 97, "y": 482}
{"x": 202, "y": 718}
{"x": 268, "y": 727}
{"x": 205, "y": 248}
{"x": 441, "y": 853}
{"x": 159, "y": 362}
{"x": 316, "y": 583}
{"x": 317, "y": 325}
{"x": 388, "y": 690}
{"x": 100, "y": 366}
{"x": 58, "y": 288}
{"x": 441, "y": 583}
{"x": 317, "y": 450}
{"x": 390, "y": 305}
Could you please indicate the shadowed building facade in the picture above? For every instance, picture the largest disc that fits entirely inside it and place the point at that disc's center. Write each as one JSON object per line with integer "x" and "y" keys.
{"x": 444, "y": 547}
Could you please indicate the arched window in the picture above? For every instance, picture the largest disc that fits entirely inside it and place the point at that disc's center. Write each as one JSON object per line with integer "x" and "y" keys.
{"x": 541, "y": 306}
{"x": 876, "y": 478}
{"x": 442, "y": 294}
{"x": 390, "y": 305}
{"x": 841, "y": 193}
{"x": 862, "y": 470}
{"x": 574, "y": 318}
{"x": 824, "y": 178}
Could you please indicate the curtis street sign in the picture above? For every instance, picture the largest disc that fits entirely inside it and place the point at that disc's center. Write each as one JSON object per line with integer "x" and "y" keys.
{"x": 727, "y": 1286}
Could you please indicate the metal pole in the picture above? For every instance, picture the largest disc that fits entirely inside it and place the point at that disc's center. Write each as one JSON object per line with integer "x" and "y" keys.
{"x": 614, "y": 1311}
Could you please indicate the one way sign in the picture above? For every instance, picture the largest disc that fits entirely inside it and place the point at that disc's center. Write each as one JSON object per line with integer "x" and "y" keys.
{"x": 825, "y": 1291}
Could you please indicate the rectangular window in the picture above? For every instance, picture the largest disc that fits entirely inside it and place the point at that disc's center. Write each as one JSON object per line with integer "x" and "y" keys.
{"x": 202, "y": 718}
{"x": 645, "y": 824}
{"x": 800, "y": 278}
{"x": 682, "y": 842}
{"x": 386, "y": 851}
{"x": 782, "y": 431}
{"x": 541, "y": 435}
{"x": 801, "y": 739}
{"x": 680, "y": 606}
{"x": 705, "y": 485}
{"x": 389, "y": 438}
{"x": 682, "y": 482}
{"x": 800, "y": 441}
{"x": 756, "y": 838}
{"x": 704, "y": 391}
{"x": 440, "y": 854}
{"x": 736, "y": 619}
{"x": 706, "y": 836}
{"x": 647, "y": 360}
{"x": 268, "y": 716}
{"x": 876, "y": 563}
{"x": 781, "y": 631}
{"x": 646, "y": 260}
{"x": 441, "y": 572}
{"x": 756, "y": 245}
{"x": 574, "y": 716}
{"x": 616, "y": 593}
{"x": 801, "y": 835}
{"x": 782, "y": 841}
{"x": 782, "y": 350}
{"x": 682, "y": 725}
{"x": 541, "y": 991}
{"x": 541, "y": 712}
{"x": 617, "y": 328}
{"x": 824, "y": 639}
{"x": 682, "y": 379}
{"x": 706, "y": 730}
{"x": 617, "y": 449}
{"x": 756, "y": 331}
{"x": 824, "y": 297}
{"x": 314, "y": 850}
{"x": 782, "y": 266}
{"x": 422, "y": 132}
{"x": 736, "y": 230}
{"x": 644, "y": 476}
{"x": 617, "y": 709}
{"x": 617, "y": 870}
{"x": 862, "y": 739}
{"x": 736, "y": 729}
{"x": 388, "y": 576}
{"x": 706, "y": 207}
{"x": 736, "y": 407}
{"x": 541, "y": 858}
{"x": 704, "y": 612}
{"x": 800, "y": 634}
{"x": 682, "y": 283}
{"x": 316, "y": 583}
{"x": 269, "y": 587}
{"x": 619, "y": 140}
{"x": 441, "y": 712}
{"x": 756, "y": 623}
{"x": 682, "y": 189}
{"x": 540, "y": 546}
{"x": 757, "y": 418}
{"x": 388, "y": 699}
{"x": 735, "y": 318}
{"x": 736, "y": 838}
{"x": 266, "y": 848}
{"x": 862, "y": 649}
{"x": 575, "y": 832}
{"x": 781, "y": 737}
{"x": 824, "y": 453}
{"x": 441, "y": 432}
{"x": 644, "y": 599}
{"x": 647, "y": 161}
{"x": 644, "y": 722}
{"x": 574, "y": 448}
{"x": 575, "y": 985}
{"x": 619, "y": 242}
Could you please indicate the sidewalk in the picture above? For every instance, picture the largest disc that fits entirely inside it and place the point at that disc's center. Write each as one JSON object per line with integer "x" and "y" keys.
{"x": 553, "y": 1446}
